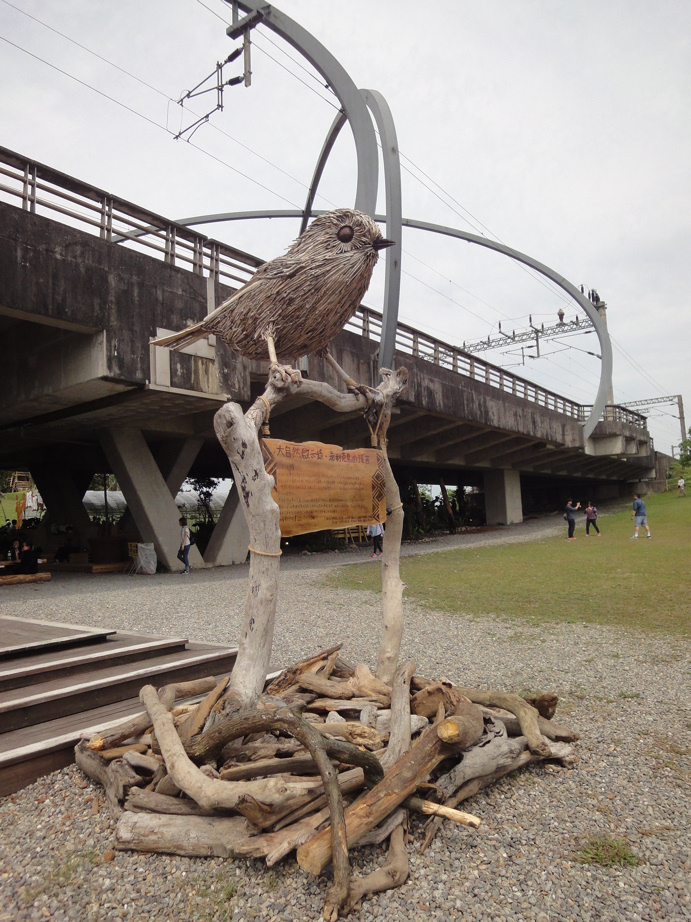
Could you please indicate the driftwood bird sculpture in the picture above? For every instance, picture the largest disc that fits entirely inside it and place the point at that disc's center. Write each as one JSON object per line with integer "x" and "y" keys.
{"x": 295, "y": 304}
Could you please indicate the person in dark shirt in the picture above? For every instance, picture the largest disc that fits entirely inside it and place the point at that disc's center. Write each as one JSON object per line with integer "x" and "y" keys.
{"x": 70, "y": 546}
{"x": 639, "y": 516}
{"x": 570, "y": 516}
{"x": 29, "y": 559}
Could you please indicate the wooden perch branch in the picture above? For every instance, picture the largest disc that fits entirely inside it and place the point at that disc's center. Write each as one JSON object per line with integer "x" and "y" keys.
{"x": 237, "y": 434}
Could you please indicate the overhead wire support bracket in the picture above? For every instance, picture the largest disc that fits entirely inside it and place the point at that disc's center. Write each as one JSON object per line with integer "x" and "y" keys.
{"x": 219, "y": 87}
{"x": 242, "y": 26}
{"x": 532, "y": 334}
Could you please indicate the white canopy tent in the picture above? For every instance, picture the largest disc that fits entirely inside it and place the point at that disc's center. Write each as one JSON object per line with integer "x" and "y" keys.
{"x": 186, "y": 500}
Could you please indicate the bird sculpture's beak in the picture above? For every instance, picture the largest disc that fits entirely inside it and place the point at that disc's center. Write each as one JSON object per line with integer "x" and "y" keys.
{"x": 381, "y": 243}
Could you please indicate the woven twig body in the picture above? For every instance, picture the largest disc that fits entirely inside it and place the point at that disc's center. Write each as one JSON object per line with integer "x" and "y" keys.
{"x": 302, "y": 299}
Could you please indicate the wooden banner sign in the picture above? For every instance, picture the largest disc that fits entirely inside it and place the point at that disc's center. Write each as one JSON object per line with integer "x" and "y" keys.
{"x": 322, "y": 486}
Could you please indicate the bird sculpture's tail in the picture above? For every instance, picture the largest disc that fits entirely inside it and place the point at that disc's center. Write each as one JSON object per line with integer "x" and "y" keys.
{"x": 178, "y": 341}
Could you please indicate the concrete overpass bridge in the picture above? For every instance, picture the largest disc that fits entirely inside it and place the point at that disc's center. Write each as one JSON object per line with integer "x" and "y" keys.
{"x": 82, "y": 292}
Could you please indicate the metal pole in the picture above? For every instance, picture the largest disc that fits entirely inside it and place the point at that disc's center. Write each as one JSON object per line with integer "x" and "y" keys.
{"x": 684, "y": 433}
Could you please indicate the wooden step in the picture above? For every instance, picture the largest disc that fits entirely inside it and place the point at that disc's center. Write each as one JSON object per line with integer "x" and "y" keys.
{"x": 61, "y": 681}
{"x": 25, "y": 636}
{"x": 71, "y": 694}
{"x": 118, "y": 566}
{"x": 118, "y": 649}
{"x": 30, "y": 753}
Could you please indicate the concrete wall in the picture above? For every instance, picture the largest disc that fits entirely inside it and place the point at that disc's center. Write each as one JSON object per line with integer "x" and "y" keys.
{"x": 63, "y": 278}
{"x": 439, "y": 390}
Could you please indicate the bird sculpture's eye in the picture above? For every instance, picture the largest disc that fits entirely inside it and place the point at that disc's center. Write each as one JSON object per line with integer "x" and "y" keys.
{"x": 346, "y": 233}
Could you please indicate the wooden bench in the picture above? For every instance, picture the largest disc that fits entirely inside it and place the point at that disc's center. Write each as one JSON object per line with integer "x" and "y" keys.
{"x": 11, "y": 579}
{"x": 117, "y": 566}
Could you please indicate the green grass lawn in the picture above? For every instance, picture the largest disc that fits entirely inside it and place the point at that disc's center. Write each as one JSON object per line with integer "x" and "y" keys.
{"x": 643, "y": 584}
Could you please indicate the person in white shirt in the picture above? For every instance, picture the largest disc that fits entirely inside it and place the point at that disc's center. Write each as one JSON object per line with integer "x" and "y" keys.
{"x": 376, "y": 533}
{"x": 183, "y": 553}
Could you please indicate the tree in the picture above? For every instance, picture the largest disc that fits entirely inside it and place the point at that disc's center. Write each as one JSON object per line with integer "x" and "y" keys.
{"x": 103, "y": 482}
{"x": 204, "y": 487}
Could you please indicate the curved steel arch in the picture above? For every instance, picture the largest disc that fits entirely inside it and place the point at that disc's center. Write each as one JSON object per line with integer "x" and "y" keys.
{"x": 354, "y": 108}
{"x": 603, "y": 336}
{"x": 327, "y": 147}
{"x": 379, "y": 108}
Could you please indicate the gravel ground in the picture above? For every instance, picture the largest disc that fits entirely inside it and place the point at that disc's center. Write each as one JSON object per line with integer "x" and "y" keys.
{"x": 630, "y": 781}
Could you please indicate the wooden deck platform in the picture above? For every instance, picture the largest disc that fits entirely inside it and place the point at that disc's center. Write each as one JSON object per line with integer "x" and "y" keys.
{"x": 59, "y": 682}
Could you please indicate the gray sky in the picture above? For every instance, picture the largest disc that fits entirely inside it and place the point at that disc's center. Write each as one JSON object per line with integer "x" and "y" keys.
{"x": 560, "y": 128}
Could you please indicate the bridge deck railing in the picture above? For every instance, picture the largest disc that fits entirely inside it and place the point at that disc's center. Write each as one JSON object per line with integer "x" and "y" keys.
{"x": 368, "y": 323}
{"x": 40, "y": 188}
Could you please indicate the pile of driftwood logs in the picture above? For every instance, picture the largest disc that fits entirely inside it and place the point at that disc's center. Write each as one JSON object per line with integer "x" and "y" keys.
{"x": 330, "y": 758}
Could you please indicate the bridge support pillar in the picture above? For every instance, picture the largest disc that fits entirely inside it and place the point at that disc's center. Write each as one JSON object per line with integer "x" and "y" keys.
{"x": 231, "y": 536}
{"x": 62, "y": 492}
{"x": 147, "y": 493}
{"x": 503, "y": 504}
{"x": 174, "y": 465}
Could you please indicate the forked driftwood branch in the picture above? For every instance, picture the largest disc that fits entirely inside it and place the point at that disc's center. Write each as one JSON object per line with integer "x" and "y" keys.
{"x": 237, "y": 433}
{"x": 257, "y": 770}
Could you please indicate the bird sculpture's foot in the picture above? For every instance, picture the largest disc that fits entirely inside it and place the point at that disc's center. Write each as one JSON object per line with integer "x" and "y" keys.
{"x": 284, "y": 374}
{"x": 360, "y": 389}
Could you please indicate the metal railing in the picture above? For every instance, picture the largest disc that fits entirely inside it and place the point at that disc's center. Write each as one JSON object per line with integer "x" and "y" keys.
{"x": 368, "y": 322}
{"x": 42, "y": 190}
{"x": 618, "y": 414}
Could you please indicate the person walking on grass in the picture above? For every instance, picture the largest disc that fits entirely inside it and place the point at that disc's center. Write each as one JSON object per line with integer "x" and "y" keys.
{"x": 681, "y": 486}
{"x": 183, "y": 553}
{"x": 591, "y": 519}
{"x": 639, "y": 516}
{"x": 570, "y": 515}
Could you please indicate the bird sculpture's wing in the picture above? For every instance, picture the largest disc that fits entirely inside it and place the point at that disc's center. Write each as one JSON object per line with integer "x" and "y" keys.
{"x": 281, "y": 267}
{"x": 184, "y": 338}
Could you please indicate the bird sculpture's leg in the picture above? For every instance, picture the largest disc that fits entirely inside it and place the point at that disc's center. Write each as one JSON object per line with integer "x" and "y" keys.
{"x": 272, "y": 349}
{"x": 287, "y": 373}
{"x": 352, "y": 386}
